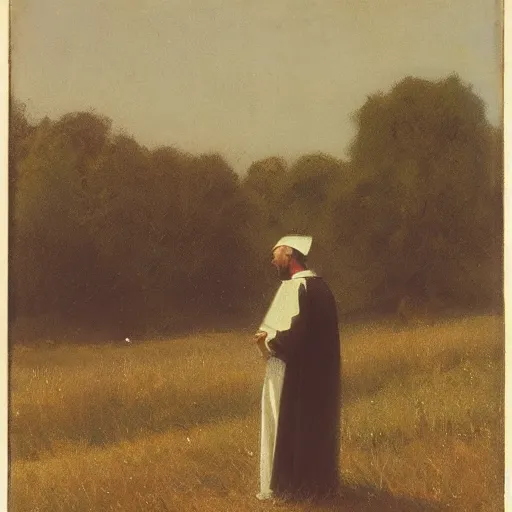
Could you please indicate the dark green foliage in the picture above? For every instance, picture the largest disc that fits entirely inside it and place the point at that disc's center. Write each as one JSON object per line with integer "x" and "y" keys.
{"x": 109, "y": 234}
{"x": 429, "y": 198}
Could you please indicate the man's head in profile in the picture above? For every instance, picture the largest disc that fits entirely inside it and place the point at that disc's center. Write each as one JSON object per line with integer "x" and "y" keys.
{"x": 289, "y": 255}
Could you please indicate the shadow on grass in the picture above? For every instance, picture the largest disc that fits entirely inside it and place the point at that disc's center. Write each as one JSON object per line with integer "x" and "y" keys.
{"x": 371, "y": 500}
{"x": 101, "y": 420}
{"x": 363, "y": 499}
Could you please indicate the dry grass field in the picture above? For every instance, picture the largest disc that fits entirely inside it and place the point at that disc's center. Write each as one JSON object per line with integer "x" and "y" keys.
{"x": 173, "y": 425}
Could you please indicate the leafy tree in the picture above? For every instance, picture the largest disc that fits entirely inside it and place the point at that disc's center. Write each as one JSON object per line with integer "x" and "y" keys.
{"x": 308, "y": 192}
{"x": 424, "y": 150}
{"x": 19, "y": 137}
{"x": 264, "y": 184}
{"x": 49, "y": 243}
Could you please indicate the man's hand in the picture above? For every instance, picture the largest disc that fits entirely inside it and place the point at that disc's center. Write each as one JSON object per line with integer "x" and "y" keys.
{"x": 260, "y": 338}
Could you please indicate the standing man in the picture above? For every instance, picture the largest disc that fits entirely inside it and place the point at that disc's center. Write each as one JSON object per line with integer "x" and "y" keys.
{"x": 300, "y": 422}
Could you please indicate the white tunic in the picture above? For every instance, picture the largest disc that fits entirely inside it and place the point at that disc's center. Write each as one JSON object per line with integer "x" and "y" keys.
{"x": 278, "y": 318}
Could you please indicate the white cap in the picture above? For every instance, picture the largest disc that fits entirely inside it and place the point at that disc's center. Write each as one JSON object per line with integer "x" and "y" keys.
{"x": 298, "y": 242}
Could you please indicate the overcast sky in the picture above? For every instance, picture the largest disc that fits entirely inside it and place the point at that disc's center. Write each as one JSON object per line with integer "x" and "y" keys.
{"x": 246, "y": 78}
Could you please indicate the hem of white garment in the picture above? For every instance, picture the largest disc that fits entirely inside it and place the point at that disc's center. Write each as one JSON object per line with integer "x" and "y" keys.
{"x": 265, "y": 495}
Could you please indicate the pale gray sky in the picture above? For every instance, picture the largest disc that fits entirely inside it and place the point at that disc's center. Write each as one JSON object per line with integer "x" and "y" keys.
{"x": 248, "y": 79}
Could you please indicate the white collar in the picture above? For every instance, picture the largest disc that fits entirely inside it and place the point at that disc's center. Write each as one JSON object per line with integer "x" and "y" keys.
{"x": 303, "y": 273}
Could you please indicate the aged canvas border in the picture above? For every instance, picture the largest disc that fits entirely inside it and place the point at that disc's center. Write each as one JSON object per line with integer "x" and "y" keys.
{"x": 4, "y": 93}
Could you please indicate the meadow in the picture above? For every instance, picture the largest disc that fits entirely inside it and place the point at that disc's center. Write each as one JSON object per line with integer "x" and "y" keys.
{"x": 173, "y": 424}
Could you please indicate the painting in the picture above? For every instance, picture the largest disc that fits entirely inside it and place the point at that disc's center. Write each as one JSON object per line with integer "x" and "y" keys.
{"x": 158, "y": 150}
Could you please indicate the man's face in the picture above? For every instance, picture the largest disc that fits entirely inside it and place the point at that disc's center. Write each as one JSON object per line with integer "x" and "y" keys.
{"x": 281, "y": 257}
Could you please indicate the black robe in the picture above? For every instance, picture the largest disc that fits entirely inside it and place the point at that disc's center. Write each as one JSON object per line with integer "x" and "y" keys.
{"x": 308, "y": 435}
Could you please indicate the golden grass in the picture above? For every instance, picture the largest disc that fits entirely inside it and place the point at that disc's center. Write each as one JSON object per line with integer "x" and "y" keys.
{"x": 173, "y": 425}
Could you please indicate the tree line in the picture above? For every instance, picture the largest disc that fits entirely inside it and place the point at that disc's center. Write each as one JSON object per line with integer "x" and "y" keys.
{"x": 108, "y": 234}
